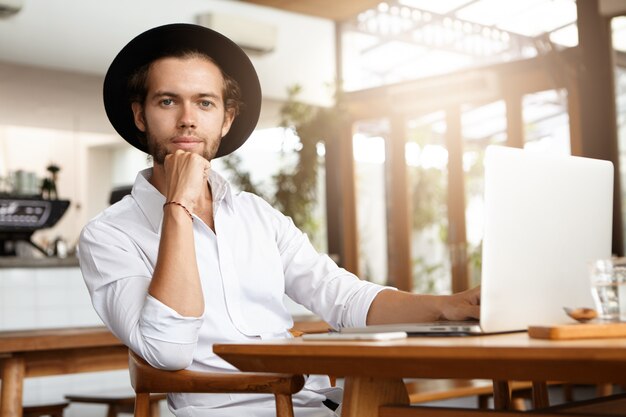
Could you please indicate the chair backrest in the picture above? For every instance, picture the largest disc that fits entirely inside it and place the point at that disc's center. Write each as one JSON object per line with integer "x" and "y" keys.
{"x": 146, "y": 379}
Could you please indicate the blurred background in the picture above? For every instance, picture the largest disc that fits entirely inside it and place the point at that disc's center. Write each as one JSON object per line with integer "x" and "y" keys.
{"x": 374, "y": 124}
{"x": 377, "y": 113}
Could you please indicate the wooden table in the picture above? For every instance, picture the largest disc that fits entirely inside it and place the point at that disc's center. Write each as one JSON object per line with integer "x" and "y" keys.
{"x": 32, "y": 353}
{"x": 373, "y": 371}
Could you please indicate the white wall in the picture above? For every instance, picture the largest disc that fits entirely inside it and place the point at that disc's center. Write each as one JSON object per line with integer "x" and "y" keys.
{"x": 55, "y": 114}
{"x": 84, "y": 36}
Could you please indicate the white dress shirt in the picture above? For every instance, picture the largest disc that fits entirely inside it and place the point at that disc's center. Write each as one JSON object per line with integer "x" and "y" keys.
{"x": 255, "y": 256}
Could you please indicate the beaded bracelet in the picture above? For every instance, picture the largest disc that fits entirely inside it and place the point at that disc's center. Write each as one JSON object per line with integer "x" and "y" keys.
{"x": 178, "y": 204}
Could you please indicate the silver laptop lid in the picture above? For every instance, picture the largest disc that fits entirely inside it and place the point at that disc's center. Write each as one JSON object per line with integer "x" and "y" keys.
{"x": 547, "y": 217}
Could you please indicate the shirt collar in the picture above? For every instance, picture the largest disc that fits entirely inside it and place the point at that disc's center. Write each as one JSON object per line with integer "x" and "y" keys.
{"x": 221, "y": 189}
{"x": 151, "y": 201}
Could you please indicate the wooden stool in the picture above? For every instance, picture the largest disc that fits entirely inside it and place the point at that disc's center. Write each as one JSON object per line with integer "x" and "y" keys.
{"x": 52, "y": 410}
{"x": 117, "y": 402}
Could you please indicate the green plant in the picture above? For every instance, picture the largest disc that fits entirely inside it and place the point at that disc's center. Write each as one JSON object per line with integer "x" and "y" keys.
{"x": 241, "y": 178}
{"x": 428, "y": 190}
{"x": 426, "y": 275}
{"x": 428, "y": 196}
{"x": 295, "y": 184}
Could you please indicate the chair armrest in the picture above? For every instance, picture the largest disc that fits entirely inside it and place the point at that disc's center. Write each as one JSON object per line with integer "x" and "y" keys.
{"x": 145, "y": 379}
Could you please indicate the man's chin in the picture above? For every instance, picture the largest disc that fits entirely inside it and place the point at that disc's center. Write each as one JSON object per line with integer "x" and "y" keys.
{"x": 160, "y": 152}
{"x": 206, "y": 154}
{"x": 194, "y": 147}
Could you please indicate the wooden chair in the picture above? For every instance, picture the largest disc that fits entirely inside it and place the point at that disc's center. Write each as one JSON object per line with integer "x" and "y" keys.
{"x": 117, "y": 402}
{"x": 39, "y": 410}
{"x": 145, "y": 380}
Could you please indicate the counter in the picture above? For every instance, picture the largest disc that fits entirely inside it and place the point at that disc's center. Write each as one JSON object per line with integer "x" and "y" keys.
{"x": 52, "y": 262}
{"x": 43, "y": 293}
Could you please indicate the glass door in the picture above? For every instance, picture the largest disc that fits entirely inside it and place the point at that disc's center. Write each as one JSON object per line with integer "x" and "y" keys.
{"x": 368, "y": 143}
{"x": 427, "y": 165}
{"x": 481, "y": 126}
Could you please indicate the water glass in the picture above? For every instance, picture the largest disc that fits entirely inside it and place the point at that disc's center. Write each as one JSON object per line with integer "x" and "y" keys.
{"x": 608, "y": 288}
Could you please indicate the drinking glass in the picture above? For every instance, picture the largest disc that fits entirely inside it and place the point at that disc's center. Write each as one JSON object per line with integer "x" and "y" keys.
{"x": 608, "y": 287}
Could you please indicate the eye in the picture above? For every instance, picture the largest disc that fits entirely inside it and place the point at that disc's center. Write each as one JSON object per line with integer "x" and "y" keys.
{"x": 206, "y": 103}
{"x": 167, "y": 102}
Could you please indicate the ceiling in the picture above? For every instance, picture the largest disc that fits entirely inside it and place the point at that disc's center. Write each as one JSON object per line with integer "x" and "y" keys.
{"x": 84, "y": 35}
{"x": 54, "y": 53}
{"x": 327, "y": 9}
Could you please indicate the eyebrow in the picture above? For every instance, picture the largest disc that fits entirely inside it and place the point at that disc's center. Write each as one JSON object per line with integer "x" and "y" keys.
{"x": 170, "y": 94}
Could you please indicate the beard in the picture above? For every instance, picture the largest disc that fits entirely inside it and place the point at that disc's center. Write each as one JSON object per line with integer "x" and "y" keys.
{"x": 158, "y": 149}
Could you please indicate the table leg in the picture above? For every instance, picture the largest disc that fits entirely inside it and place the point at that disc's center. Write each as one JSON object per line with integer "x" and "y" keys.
{"x": 13, "y": 370}
{"x": 363, "y": 395}
{"x": 501, "y": 395}
{"x": 540, "y": 395}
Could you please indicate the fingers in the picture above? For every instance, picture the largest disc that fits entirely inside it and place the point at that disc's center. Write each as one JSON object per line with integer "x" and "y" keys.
{"x": 472, "y": 295}
{"x": 463, "y": 305}
{"x": 472, "y": 312}
{"x": 472, "y": 298}
{"x": 475, "y": 295}
{"x": 187, "y": 163}
{"x": 186, "y": 174}
{"x": 463, "y": 311}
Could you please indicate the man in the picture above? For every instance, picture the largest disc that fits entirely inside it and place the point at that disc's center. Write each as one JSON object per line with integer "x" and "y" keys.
{"x": 184, "y": 262}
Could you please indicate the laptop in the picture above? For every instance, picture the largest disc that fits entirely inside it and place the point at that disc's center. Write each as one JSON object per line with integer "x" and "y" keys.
{"x": 546, "y": 218}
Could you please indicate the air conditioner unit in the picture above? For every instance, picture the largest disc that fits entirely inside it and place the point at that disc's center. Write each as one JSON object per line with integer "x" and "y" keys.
{"x": 251, "y": 35}
{"x": 10, "y": 7}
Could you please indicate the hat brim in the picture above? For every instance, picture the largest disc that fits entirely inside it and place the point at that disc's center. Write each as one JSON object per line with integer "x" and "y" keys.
{"x": 163, "y": 40}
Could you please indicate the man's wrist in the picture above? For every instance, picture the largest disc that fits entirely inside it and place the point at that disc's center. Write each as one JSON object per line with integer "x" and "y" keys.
{"x": 173, "y": 205}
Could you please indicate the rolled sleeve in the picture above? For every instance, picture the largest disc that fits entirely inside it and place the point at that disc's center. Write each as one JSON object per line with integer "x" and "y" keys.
{"x": 118, "y": 278}
{"x": 357, "y": 306}
{"x": 167, "y": 340}
{"x": 162, "y": 323}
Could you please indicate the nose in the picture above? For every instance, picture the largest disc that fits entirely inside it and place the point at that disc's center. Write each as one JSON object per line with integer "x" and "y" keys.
{"x": 187, "y": 117}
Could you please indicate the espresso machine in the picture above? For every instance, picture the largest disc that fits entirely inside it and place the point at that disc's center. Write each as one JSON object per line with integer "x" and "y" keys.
{"x": 21, "y": 216}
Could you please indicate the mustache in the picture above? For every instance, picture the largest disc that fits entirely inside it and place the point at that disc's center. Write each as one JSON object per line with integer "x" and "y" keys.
{"x": 187, "y": 135}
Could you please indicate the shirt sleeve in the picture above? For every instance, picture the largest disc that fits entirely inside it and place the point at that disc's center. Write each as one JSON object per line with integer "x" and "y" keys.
{"x": 315, "y": 281}
{"x": 117, "y": 277}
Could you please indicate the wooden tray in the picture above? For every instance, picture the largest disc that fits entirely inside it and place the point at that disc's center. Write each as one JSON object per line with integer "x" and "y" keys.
{"x": 578, "y": 331}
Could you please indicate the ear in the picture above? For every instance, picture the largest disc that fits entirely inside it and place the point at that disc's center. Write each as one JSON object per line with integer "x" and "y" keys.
{"x": 138, "y": 116}
{"x": 228, "y": 122}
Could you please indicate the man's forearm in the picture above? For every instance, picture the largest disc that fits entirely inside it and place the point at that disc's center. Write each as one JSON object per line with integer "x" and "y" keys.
{"x": 176, "y": 282}
{"x": 402, "y": 307}
{"x": 391, "y": 306}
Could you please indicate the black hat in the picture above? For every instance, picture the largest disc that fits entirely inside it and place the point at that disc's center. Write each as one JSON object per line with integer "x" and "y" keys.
{"x": 165, "y": 40}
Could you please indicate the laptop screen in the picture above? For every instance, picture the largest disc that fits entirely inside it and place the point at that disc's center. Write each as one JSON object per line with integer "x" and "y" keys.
{"x": 546, "y": 218}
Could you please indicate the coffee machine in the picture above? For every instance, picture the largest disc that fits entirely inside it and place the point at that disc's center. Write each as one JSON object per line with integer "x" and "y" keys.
{"x": 21, "y": 216}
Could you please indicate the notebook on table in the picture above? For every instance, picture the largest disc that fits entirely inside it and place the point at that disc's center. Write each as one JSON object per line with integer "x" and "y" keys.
{"x": 546, "y": 218}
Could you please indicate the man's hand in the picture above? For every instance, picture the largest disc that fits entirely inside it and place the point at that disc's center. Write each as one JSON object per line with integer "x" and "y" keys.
{"x": 461, "y": 306}
{"x": 185, "y": 178}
